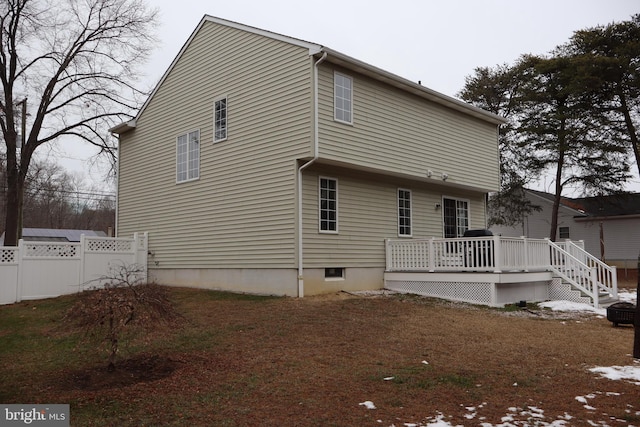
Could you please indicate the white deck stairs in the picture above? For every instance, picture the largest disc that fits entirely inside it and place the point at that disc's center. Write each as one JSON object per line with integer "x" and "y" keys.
{"x": 581, "y": 277}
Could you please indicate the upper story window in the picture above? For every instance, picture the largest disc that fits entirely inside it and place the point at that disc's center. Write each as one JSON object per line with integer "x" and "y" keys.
{"x": 564, "y": 233}
{"x": 328, "y": 203}
{"x": 455, "y": 216}
{"x": 404, "y": 212}
{"x": 220, "y": 120}
{"x": 343, "y": 98}
{"x": 188, "y": 156}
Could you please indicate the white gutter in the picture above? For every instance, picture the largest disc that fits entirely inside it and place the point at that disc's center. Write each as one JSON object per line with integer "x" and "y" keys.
{"x": 303, "y": 167}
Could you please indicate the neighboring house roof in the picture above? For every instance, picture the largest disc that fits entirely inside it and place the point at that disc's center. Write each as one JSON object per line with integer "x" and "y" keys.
{"x": 589, "y": 208}
{"x": 333, "y": 57}
{"x": 55, "y": 235}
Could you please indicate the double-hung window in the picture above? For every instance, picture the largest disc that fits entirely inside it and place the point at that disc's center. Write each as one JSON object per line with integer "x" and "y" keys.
{"x": 455, "y": 216}
{"x": 404, "y": 212}
{"x": 220, "y": 119}
{"x": 188, "y": 156}
{"x": 328, "y": 203}
{"x": 343, "y": 98}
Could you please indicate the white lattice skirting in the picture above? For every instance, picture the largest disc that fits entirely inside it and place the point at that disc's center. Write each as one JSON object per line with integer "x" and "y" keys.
{"x": 471, "y": 292}
{"x": 563, "y": 291}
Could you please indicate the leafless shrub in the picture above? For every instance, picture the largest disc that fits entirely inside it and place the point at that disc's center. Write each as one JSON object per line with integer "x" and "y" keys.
{"x": 123, "y": 301}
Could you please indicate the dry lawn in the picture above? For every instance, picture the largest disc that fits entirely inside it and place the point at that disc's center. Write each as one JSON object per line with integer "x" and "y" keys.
{"x": 244, "y": 361}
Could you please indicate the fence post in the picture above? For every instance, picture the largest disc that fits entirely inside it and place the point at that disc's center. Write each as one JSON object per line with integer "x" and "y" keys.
{"x": 81, "y": 271}
{"x": 21, "y": 253}
{"x": 145, "y": 255}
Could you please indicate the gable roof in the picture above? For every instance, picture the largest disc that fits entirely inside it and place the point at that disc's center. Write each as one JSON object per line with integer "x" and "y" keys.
{"x": 598, "y": 207}
{"x": 334, "y": 57}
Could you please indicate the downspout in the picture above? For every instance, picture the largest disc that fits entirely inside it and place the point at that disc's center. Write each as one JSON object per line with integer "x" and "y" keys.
{"x": 303, "y": 167}
{"x": 115, "y": 226}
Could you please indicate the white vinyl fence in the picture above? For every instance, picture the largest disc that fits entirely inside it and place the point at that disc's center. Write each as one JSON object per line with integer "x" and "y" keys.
{"x": 36, "y": 270}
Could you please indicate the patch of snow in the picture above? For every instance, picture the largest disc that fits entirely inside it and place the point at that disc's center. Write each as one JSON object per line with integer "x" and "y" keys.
{"x": 631, "y": 373}
{"x": 424, "y": 362}
{"x": 562, "y": 305}
{"x": 368, "y": 404}
{"x": 627, "y": 297}
{"x": 388, "y": 378}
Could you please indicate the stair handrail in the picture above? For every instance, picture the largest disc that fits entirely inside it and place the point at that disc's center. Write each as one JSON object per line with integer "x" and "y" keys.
{"x": 606, "y": 275}
{"x": 577, "y": 273}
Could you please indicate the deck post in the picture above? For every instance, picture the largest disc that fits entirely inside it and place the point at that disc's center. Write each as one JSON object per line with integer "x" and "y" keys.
{"x": 525, "y": 256}
{"x": 387, "y": 250}
{"x": 432, "y": 256}
{"x": 497, "y": 254}
{"x": 593, "y": 278}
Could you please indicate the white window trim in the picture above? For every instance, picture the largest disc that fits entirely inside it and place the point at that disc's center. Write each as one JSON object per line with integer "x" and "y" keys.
{"x": 337, "y": 73}
{"x": 410, "y": 211}
{"x": 320, "y": 230}
{"x": 458, "y": 199}
{"x": 226, "y": 135}
{"x": 199, "y": 143}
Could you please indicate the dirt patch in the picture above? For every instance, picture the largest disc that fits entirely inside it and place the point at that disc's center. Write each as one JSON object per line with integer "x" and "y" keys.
{"x": 139, "y": 369}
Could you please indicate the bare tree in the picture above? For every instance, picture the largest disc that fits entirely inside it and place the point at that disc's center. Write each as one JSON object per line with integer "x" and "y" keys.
{"x": 124, "y": 301}
{"x": 68, "y": 69}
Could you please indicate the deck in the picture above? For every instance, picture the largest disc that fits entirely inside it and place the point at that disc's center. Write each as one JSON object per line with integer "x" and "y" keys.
{"x": 496, "y": 270}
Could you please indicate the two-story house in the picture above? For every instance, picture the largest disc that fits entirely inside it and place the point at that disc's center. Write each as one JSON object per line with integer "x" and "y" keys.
{"x": 267, "y": 164}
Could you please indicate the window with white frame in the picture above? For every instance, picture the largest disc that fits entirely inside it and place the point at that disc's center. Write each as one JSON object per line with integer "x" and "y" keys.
{"x": 455, "y": 214}
{"x": 404, "y": 212}
{"x": 328, "y": 203}
{"x": 343, "y": 98}
{"x": 220, "y": 120}
{"x": 188, "y": 156}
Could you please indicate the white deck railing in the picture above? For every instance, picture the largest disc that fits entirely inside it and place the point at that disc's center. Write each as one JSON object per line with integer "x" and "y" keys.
{"x": 497, "y": 254}
{"x": 494, "y": 254}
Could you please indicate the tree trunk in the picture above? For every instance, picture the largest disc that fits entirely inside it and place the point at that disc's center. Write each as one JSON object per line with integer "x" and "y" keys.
{"x": 630, "y": 128}
{"x": 556, "y": 199}
{"x": 15, "y": 197}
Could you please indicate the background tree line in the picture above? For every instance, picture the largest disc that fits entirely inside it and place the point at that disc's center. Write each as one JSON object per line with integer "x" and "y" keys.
{"x": 54, "y": 198}
{"x": 572, "y": 114}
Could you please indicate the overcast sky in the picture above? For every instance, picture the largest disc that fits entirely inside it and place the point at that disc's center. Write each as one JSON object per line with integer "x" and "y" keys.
{"x": 436, "y": 42}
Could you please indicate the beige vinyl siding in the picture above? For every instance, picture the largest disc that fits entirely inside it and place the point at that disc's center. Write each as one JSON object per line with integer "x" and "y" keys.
{"x": 241, "y": 211}
{"x": 401, "y": 133}
{"x": 368, "y": 214}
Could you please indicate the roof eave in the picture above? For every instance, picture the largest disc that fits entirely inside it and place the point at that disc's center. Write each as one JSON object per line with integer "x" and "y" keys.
{"x": 123, "y": 127}
{"x": 361, "y": 67}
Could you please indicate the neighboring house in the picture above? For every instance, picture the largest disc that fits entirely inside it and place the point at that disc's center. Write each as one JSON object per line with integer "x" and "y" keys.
{"x": 263, "y": 163}
{"x": 608, "y": 225}
{"x": 55, "y": 235}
